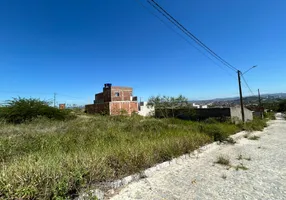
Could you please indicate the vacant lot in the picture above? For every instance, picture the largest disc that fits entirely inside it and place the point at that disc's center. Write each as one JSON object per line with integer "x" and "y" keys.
{"x": 46, "y": 159}
{"x": 250, "y": 169}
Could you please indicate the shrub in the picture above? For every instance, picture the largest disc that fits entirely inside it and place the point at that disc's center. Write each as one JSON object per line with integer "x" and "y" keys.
{"x": 211, "y": 121}
{"x": 218, "y": 131}
{"x": 282, "y": 106}
{"x": 270, "y": 115}
{"x": 20, "y": 110}
{"x": 255, "y": 125}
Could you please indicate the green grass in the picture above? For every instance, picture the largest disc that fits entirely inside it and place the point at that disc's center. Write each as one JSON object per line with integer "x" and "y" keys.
{"x": 254, "y": 137}
{"x": 270, "y": 115}
{"x": 223, "y": 160}
{"x": 255, "y": 125}
{"x": 46, "y": 159}
{"x": 240, "y": 166}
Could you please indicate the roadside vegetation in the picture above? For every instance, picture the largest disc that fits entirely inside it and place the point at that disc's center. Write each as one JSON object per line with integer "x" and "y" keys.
{"x": 270, "y": 115}
{"x": 255, "y": 125}
{"x": 273, "y": 107}
{"x": 19, "y": 110}
{"x": 46, "y": 157}
{"x": 276, "y": 106}
{"x": 240, "y": 167}
{"x": 223, "y": 160}
{"x": 254, "y": 137}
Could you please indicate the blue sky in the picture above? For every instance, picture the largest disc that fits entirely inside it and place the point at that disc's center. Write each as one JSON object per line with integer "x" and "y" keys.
{"x": 74, "y": 47}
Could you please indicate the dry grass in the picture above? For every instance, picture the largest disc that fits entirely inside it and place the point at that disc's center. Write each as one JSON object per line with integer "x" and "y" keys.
{"x": 240, "y": 166}
{"x": 254, "y": 137}
{"x": 47, "y": 159}
{"x": 223, "y": 160}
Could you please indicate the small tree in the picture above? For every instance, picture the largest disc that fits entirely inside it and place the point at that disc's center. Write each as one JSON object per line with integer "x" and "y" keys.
{"x": 282, "y": 106}
{"x": 167, "y": 105}
{"x": 20, "y": 110}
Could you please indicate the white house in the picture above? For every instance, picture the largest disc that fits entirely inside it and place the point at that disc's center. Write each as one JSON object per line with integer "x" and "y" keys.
{"x": 145, "y": 110}
{"x": 199, "y": 106}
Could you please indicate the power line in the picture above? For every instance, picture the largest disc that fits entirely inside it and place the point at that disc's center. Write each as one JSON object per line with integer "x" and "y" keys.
{"x": 177, "y": 24}
{"x": 247, "y": 85}
{"x": 172, "y": 29}
{"x": 189, "y": 34}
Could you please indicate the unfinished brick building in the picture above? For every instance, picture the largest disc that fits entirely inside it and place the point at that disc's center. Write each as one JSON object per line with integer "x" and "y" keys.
{"x": 114, "y": 101}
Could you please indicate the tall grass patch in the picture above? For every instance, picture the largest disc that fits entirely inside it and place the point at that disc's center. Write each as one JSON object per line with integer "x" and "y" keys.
{"x": 255, "y": 125}
{"x": 50, "y": 159}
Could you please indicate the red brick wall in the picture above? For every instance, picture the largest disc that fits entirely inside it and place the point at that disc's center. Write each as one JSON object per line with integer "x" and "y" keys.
{"x": 99, "y": 97}
{"x": 133, "y": 107}
{"x": 62, "y": 106}
{"x": 107, "y": 94}
{"x": 101, "y": 108}
{"x": 118, "y": 107}
{"x": 115, "y": 108}
{"x": 107, "y": 101}
{"x": 124, "y": 93}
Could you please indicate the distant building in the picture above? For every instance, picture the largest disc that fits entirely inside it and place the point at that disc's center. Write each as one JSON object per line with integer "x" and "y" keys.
{"x": 199, "y": 106}
{"x": 114, "y": 100}
{"x": 62, "y": 106}
{"x": 145, "y": 110}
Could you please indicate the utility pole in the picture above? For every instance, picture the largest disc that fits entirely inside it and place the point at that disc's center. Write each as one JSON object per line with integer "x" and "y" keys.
{"x": 260, "y": 107}
{"x": 240, "y": 94}
{"x": 259, "y": 99}
{"x": 55, "y": 100}
{"x": 240, "y": 91}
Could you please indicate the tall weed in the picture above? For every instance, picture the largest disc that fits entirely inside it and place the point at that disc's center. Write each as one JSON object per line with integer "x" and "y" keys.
{"x": 49, "y": 159}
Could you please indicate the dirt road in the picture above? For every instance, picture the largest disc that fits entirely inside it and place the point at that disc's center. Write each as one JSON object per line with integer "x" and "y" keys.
{"x": 257, "y": 171}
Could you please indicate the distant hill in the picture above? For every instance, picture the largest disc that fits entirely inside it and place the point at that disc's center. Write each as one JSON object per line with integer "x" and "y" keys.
{"x": 236, "y": 99}
{"x": 275, "y": 95}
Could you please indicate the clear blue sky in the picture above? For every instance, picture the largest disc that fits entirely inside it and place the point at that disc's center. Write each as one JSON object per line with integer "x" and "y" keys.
{"x": 74, "y": 47}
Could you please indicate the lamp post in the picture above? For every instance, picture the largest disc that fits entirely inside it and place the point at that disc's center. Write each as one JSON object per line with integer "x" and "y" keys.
{"x": 239, "y": 73}
{"x": 249, "y": 69}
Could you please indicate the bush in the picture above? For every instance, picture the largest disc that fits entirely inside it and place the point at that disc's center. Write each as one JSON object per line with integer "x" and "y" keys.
{"x": 282, "y": 106}
{"x": 218, "y": 131}
{"x": 270, "y": 115}
{"x": 211, "y": 120}
{"x": 20, "y": 110}
{"x": 255, "y": 125}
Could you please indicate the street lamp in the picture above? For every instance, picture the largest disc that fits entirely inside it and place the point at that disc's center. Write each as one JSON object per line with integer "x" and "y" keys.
{"x": 249, "y": 69}
{"x": 240, "y": 91}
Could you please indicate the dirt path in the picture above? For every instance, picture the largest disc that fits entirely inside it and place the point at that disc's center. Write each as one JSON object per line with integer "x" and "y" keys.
{"x": 264, "y": 175}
